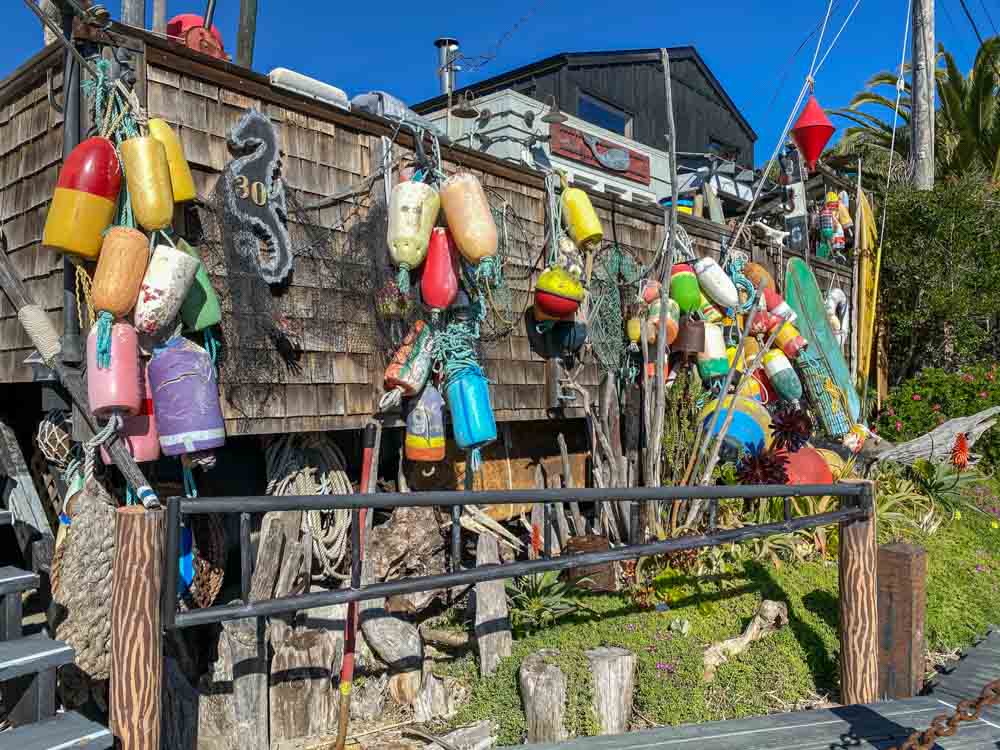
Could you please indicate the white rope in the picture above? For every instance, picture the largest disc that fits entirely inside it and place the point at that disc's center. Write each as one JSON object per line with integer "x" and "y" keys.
{"x": 40, "y": 330}
{"x": 112, "y": 426}
{"x": 312, "y": 464}
{"x": 835, "y": 38}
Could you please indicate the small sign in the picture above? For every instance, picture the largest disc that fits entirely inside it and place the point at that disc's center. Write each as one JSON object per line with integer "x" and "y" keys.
{"x": 575, "y": 145}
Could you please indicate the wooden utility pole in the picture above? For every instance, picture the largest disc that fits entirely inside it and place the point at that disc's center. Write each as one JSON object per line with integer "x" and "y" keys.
{"x": 923, "y": 68}
{"x": 247, "y": 33}
{"x": 160, "y": 16}
{"x": 134, "y": 13}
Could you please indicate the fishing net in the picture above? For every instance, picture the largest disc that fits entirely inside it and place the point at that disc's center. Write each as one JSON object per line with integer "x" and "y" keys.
{"x": 613, "y": 287}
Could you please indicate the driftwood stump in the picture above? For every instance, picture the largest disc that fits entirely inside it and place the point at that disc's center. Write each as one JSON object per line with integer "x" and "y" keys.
{"x": 481, "y": 736}
{"x": 613, "y": 673}
{"x": 493, "y": 636}
{"x": 232, "y": 711}
{"x": 543, "y": 694}
{"x": 303, "y": 699}
{"x": 770, "y": 617}
{"x": 438, "y": 699}
{"x": 936, "y": 445}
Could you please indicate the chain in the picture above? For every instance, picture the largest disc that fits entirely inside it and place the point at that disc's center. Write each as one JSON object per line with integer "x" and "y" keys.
{"x": 946, "y": 726}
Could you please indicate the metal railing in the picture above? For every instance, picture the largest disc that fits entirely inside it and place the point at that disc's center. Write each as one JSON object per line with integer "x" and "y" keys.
{"x": 857, "y": 502}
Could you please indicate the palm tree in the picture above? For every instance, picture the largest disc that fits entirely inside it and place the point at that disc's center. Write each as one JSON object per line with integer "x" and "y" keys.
{"x": 967, "y": 122}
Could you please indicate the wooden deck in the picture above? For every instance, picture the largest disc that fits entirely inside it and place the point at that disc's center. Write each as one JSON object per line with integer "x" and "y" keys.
{"x": 876, "y": 726}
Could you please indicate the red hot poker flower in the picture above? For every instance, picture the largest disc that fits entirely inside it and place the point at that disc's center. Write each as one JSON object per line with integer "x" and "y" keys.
{"x": 960, "y": 452}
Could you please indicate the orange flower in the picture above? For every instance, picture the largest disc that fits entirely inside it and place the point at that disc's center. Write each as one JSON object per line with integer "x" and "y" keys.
{"x": 536, "y": 539}
{"x": 960, "y": 452}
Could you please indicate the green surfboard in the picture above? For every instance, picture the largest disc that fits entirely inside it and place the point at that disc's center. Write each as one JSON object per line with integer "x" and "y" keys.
{"x": 804, "y": 297}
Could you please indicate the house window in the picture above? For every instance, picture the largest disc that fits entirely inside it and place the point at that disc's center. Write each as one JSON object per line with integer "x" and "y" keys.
{"x": 604, "y": 115}
{"x": 723, "y": 150}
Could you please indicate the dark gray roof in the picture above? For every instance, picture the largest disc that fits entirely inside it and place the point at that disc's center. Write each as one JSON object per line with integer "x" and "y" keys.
{"x": 622, "y": 57}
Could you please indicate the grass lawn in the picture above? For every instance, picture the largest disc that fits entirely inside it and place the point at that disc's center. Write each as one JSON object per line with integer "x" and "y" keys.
{"x": 791, "y": 666}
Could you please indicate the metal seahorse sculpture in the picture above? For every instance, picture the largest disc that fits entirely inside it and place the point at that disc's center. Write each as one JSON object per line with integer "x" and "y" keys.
{"x": 253, "y": 199}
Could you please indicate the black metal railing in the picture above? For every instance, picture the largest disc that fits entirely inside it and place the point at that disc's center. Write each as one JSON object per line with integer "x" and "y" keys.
{"x": 857, "y": 502}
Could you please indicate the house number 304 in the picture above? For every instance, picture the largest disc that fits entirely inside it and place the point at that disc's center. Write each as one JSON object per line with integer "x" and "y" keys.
{"x": 255, "y": 191}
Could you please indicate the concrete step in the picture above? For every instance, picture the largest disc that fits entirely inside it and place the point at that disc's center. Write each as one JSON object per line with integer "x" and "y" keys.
{"x": 31, "y": 655}
{"x": 15, "y": 580}
{"x": 68, "y": 731}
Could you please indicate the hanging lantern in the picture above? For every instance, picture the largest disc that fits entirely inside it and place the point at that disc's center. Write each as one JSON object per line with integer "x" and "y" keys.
{"x": 558, "y": 293}
{"x": 812, "y": 132}
{"x": 84, "y": 201}
{"x": 413, "y": 209}
{"x": 439, "y": 282}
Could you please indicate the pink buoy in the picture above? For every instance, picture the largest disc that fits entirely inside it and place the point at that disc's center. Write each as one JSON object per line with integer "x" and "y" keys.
{"x": 114, "y": 388}
{"x": 139, "y": 432}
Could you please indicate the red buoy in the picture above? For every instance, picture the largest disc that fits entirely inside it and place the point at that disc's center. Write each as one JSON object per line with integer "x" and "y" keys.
{"x": 812, "y": 132}
{"x": 439, "y": 283}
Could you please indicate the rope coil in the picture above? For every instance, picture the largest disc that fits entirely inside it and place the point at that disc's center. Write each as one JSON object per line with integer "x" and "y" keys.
{"x": 41, "y": 331}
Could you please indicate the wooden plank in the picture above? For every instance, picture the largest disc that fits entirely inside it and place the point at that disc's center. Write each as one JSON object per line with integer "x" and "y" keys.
{"x": 20, "y": 497}
{"x": 902, "y": 604}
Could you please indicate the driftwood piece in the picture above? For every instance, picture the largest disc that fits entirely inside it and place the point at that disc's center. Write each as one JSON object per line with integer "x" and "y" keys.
{"x": 303, "y": 698}
{"x": 446, "y": 638}
{"x": 479, "y": 736}
{"x": 543, "y": 695}
{"x": 612, "y": 672}
{"x": 31, "y": 525}
{"x": 936, "y": 445}
{"x": 438, "y": 699}
{"x": 233, "y": 711}
{"x": 579, "y": 524}
{"x": 180, "y": 709}
{"x": 278, "y": 529}
{"x": 292, "y": 566}
{"x": 368, "y": 700}
{"x": 493, "y": 636}
{"x": 404, "y": 687}
{"x": 410, "y": 543}
{"x": 770, "y": 617}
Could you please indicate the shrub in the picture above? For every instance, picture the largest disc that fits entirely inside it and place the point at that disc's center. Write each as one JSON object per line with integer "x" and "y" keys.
{"x": 934, "y": 396}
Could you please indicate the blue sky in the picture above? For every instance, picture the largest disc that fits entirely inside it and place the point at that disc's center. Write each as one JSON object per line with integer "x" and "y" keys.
{"x": 748, "y": 45}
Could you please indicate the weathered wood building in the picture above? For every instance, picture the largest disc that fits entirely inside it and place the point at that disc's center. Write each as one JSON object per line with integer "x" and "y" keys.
{"x": 329, "y": 314}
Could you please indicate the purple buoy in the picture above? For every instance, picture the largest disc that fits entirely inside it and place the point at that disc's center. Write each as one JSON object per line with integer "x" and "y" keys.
{"x": 185, "y": 398}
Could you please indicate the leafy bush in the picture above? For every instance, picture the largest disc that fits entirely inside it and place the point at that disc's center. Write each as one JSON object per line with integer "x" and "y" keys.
{"x": 922, "y": 403}
{"x": 537, "y": 601}
{"x": 940, "y": 282}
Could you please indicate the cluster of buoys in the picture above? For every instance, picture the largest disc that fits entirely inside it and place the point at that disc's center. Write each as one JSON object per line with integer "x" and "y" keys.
{"x": 170, "y": 405}
{"x": 433, "y": 232}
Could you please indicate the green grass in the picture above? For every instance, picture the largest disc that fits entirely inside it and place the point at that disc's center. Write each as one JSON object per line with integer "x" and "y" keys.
{"x": 792, "y": 665}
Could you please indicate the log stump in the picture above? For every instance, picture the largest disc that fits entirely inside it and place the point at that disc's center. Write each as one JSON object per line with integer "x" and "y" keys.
{"x": 543, "y": 694}
{"x": 612, "y": 671}
{"x": 302, "y": 697}
{"x": 493, "y": 636}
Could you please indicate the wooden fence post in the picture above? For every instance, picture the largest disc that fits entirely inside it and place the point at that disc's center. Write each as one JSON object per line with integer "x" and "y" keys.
{"x": 902, "y": 605}
{"x": 858, "y": 605}
{"x": 136, "y": 635}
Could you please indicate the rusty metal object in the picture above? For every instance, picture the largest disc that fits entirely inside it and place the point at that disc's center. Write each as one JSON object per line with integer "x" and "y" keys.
{"x": 945, "y": 725}
{"x": 592, "y": 577}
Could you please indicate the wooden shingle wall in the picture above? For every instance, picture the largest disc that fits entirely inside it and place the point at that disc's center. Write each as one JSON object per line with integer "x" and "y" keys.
{"x": 30, "y": 155}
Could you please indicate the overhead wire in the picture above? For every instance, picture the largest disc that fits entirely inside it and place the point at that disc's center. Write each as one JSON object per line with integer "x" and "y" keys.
{"x": 972, "y": 21}
{"x": 989, "y": 16}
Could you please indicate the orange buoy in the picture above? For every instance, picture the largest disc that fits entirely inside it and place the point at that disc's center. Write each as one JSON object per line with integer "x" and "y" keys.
{"x": 83, "y": 205}
{"x": 120, "y": 270}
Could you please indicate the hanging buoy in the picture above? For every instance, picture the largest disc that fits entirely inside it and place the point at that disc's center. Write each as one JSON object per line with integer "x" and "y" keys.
{"x": 633, "y": 329}
{"x": 181, "y": 181}
{"x": 782, "y": 375}
{"x": 471, "y": 413}
{"x": 581, "y": 219}
{"x": 649, "y": 291}
{"x": 750, "y": 388}
{"x": 764, "y": 322}
{"x": 759, "y": 276}
{"x": 114, "y": 389}
{"x": 147, "y": 174}
{"x": 413, "y": 209}
{"x": 558, "y": 293}
{"x": 167, "y": 282}
{"x": 185, "y": 398}
{"x": 410, "y": 366}
{"x": 684, "y": 288}
{"x": 84, "y": 202}
{"x": 749, "y": 431}
{"x": 812, "y": 131}
{"x": 710, "y": 311}
{"x": 469, "y": 217}
{"x": 139, "y": 432}
{"x": 712, "y": 362}
{"x": 651, "y": 372}
{"x": 425, "y": 427}
{"x": 672, "y": 324}
{"x": 776, "y": 305}
{"x": 691, "y": 336}
{"x": 716, "y": 283}
{"x": 120, "y": 270}
{"x": 439, "y": 281}
{"x": 790, "y": 341}
{"x": 201, "y": 308}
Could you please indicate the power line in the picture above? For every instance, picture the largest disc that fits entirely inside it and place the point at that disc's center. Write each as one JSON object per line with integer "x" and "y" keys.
{"x": 788, "y": 65}
{"x": 988, "y": 16}
{"x": 972, "y": 21}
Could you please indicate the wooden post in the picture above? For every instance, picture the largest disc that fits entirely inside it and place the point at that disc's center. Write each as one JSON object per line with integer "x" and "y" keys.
{"x": 902, "y": 604}
{"x": 160, "y": 16}
{"x": 134, "y": 13}
{"x": 247, "y": 33}
{"x": 922, "y": 120}
{"x": 136, "y": 635}
{"x": 858, "y": 605}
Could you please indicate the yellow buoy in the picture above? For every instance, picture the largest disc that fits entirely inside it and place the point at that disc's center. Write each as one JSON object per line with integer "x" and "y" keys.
{"x": 581, "y": 219}
{"x": 147, "y": 174}
{"x": 181, "y": 181}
